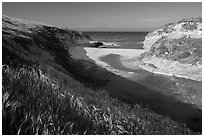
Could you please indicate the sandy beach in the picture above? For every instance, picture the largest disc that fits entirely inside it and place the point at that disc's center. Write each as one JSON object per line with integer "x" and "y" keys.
{"x": 124, "y": 63}
{"x": 171, "y": 68}
{"x": 125, "y": 54}
{"x": 96, "y": 53}
{"x": 128, "y": 58}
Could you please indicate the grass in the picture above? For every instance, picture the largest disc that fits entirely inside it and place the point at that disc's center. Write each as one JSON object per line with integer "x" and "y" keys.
{"x": 55, "y": 101}
{"x": 176, "y": 68}
{"x": 184, "y": 50}
{"x": 37, "y": 104}
{"x": 32, "y": 106}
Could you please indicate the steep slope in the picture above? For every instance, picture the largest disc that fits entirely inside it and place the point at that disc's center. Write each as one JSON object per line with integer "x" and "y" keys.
{"x": 176, "y": 48}
{"x": 191, "y": 28}
{"x": 180, "y": 41}
{"x": 37, "y": 42}
{"x": 25, "y": 42}
{"x": 41, "y": 92}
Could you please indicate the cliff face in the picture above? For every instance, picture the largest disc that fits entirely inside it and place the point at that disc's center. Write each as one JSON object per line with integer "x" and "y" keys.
{"x": 180, "y": 41}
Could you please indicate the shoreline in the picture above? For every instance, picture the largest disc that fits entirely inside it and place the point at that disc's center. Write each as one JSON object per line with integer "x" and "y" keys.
{"x": 80, "y": 53}
{"x": 172, "y": 68}
{"x": 128, "y": 58}
{"x": 95, "y": 55}
{"x": 163, "y": 73}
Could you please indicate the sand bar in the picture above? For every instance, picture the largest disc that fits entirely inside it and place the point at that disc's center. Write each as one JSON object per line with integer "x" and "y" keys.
{"x": 96, "y": 53}
{"x": 128, "y": 60}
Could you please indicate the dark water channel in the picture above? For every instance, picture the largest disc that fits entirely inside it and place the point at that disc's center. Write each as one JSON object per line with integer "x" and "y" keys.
{"x": 164, "y": 103}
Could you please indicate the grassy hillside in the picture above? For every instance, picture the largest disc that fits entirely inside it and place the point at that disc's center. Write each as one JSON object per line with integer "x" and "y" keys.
{"x": 28, "y": 43}
{"x": 34, "y": 103}
{"x": 184, "y": 50}
{"x": 44, "y": 91}
{"x": 36, "y": 42}
{"x": 180, "y": 41}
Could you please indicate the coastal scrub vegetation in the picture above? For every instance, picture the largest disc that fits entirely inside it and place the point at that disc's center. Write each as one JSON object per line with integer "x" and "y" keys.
{"x": 34, "y": 103}
{"x": 185, "y": 50}
{"x": 45, "y": 91}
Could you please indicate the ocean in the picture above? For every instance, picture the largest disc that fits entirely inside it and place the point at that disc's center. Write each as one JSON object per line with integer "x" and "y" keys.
{"x": 123, "y": 40}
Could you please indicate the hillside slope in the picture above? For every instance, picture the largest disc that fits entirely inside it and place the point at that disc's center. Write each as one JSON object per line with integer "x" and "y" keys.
{"x": 176, "y": 49}
{"x": 191, "y": 28}
{"x": 29, "y": 43}
{"x": 180, "y": 41}
{"x": 41, "y": 92}
{"x": 35, "y": 42}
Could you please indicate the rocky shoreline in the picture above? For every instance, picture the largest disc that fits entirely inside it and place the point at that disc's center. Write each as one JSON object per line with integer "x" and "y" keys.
{"x": 100, "y": 44}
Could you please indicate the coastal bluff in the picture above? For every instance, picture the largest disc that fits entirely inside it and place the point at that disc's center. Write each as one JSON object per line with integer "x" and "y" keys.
{"x": 176, "y": 49}
{"x": 191, "y": 28}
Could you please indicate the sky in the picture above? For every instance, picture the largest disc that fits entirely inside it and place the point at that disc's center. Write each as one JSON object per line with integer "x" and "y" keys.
{"x": 135, "y": 16}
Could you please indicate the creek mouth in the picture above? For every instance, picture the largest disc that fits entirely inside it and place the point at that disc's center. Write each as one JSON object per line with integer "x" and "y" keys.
{"x": 134, "y": 91}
